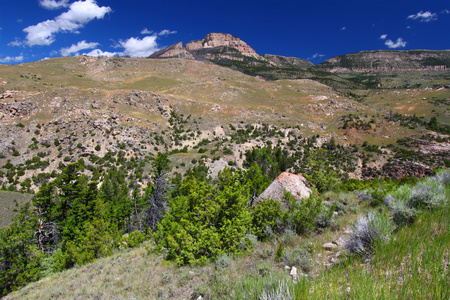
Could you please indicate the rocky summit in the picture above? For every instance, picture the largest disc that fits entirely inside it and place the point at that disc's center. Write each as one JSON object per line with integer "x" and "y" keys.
{"x": 211, "y": 41}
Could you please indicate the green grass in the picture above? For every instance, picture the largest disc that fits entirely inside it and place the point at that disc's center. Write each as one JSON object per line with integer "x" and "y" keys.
{"x": 413, "y": 265}
{"x": 8, "y": 204}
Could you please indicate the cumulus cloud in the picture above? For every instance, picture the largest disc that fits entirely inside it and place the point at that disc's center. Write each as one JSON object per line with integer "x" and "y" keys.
{"x": 343, "y": 28}
{"x": 54, "y": 4}
{"x": 445, "y": 11}
{"x": 424, "y": 16}
{"x": 136, "y": 47}
{"x": 383, "y": 36}
{"x": 75, "y": 48}
{"x": 100, "y": 53}
{"x": 10, "y": 59}
{"x": 79, "y": 14}
{"x": 400, "y": 43}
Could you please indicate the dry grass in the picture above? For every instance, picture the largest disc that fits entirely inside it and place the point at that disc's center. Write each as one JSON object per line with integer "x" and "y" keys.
{"x": 9, "y": 202}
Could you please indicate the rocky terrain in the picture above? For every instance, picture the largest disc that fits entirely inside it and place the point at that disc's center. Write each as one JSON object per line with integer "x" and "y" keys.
{"x": 351, "y": 71}
{"x": 59, "y": 110}
{"x": 388, "y": 61}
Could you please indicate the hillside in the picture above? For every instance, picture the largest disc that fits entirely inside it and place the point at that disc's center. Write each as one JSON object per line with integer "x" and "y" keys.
{"x": 411, "y": 262}
{"x": 388, "y": 61}
{"x": 107, "y": 145}
{"x": 411, "y": 68}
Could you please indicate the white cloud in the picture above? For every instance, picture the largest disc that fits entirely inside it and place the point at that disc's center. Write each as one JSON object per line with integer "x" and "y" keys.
{"x": 161, "y": 33}
{"x": 79, "y": 14}
{"x": 424, "y": 16}
{"x": 445, "y": 11}
{"x": 166, "y": 32}
{"x": 100, "y": 53}
{"x": 316, "y": 55}
{"x": 10, "y": 59}
{"x": 383, "y": 36}
{"x": 146, "y": 31}
{"x": 15, "y": 43}
{"x": 54, "y": 4}
{"x": 343, "y": 28}
{"x": 400, "y": 43}
{"x": 75, "y": 48}
{"x": 136, "y": 47}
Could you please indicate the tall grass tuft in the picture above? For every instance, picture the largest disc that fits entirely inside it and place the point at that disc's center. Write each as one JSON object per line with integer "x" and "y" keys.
{"x": 281, "y": 292}
{"x": 369, "y": 230}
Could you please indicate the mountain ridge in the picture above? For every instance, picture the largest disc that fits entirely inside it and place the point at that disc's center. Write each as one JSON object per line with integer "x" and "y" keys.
{"x": 221, "y": 48}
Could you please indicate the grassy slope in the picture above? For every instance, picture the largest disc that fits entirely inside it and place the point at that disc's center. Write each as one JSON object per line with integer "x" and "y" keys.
{"x": 414, "y": 264}
{"x": 8, "y": 204}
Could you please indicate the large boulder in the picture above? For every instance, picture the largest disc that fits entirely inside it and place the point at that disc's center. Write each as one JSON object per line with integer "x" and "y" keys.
{"x": 292, "y": 183}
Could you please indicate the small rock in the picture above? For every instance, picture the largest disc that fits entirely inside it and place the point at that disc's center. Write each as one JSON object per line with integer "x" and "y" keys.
{"x": 329, "y": 246}
{"x": 293, "y": 272}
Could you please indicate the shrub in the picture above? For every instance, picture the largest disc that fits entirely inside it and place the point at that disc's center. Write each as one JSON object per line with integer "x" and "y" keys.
{"x": 204, "y": 222}
{"x": 298, "y": 257}
{"x": 280, "y": 252}
{"x": 302, "y": 214}
{"x": 289, "y": 237}
{"x": 266, "y": 217}
{"x": 248, "y": 242}
{"x": 224, "y": 261}
{"x": 402, "y": 214}
{"x": 367, "y": 232}
{"x": 325, "y": 217}
{"x": 132, "y": 239}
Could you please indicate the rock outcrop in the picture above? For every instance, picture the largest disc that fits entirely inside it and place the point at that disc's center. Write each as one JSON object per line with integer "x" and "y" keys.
{"x": 174, "y": 51}
{"x": 292, "y": 183}
{"x": 288, "y": 62}
{"x": 388, "y": 61}
{"x": 211, "y": 41}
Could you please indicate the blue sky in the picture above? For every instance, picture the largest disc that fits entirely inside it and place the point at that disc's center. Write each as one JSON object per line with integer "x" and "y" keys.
{"x": 32, "y": 30}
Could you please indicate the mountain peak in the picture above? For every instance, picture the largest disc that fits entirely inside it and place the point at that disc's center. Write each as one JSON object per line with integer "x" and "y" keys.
{"x": 211, "y": 41}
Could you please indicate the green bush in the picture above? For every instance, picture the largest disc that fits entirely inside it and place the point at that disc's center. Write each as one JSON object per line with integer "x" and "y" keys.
{"x": 204, "y": 222}
{"x": 302, "y": 214}
{"x": 266, "y": 217}
{"x": 402, "y": 214}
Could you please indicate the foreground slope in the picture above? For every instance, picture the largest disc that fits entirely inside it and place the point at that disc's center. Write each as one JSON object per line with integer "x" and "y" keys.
{"x": 410, "y": 262}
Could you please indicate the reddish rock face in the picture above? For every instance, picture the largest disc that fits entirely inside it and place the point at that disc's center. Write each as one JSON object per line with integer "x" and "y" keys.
{"x": 194, "y": 45}
{"x": 212, "y": 40}
{"x": 293, "y": 183}
{"x": 173, "y": 51}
